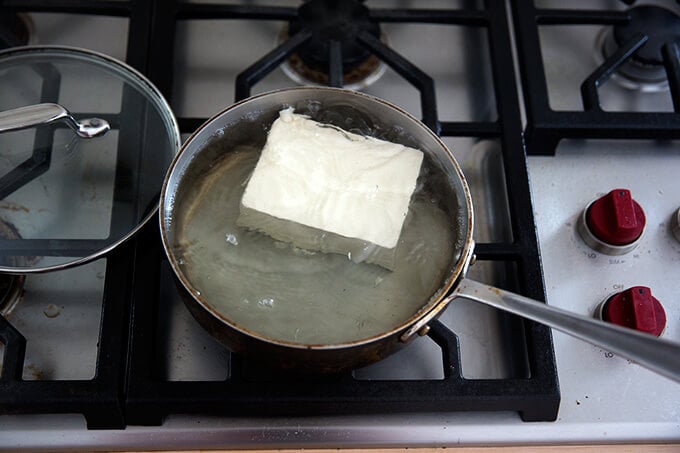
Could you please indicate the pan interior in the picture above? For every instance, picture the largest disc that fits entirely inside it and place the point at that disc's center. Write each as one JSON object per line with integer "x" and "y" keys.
{"x": 286, "y": 294}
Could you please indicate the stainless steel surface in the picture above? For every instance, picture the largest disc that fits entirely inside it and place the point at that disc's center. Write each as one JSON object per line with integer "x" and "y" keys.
{"x": 67, "y": 433}
{"x": 597, "y": 244}
{"x": 34, "y": 115}
{"x": 660, "y": 356}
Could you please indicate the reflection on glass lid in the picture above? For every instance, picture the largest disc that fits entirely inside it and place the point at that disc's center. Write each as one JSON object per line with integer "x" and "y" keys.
{"x": 72, "y": 198}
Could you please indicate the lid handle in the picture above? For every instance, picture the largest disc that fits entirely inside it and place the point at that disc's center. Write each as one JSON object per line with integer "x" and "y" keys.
{"x": 34, "y": 115}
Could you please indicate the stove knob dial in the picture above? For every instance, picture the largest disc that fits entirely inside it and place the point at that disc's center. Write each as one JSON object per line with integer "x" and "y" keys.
{"x": 635, "y": 308}
{"x": 612, "y": 224}
{"x": 675, "y": 225}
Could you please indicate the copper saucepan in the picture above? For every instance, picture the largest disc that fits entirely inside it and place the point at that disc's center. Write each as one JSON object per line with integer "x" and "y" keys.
{"x": 248, "y": 122}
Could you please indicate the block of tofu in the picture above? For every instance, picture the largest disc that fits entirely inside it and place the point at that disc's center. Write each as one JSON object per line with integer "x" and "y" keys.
{"x": 322, "y": 178}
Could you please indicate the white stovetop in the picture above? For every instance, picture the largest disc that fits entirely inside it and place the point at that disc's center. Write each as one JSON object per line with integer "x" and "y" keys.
{"x": 596, "y": 387}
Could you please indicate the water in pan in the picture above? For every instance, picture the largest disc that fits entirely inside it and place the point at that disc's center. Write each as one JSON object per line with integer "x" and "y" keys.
{"x": 291, "y": 294}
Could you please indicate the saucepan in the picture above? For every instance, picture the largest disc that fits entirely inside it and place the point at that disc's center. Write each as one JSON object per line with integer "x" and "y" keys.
{"x": 322, "y": 312}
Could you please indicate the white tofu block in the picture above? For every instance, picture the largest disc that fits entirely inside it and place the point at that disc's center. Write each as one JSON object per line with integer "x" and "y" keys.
{"x": 332, "y": 180}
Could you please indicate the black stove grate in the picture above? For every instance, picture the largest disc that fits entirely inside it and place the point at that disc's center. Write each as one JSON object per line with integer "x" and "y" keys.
{"x": 99, "y": 399}
{"x": 134, "y": 272}
{"x": 545, "y": 126}
{"x": 149, "y": 399}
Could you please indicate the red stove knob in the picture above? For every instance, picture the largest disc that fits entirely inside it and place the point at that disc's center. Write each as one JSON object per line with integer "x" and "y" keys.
{"x": 635, "y": 308}
{"x": 613, "y": 224}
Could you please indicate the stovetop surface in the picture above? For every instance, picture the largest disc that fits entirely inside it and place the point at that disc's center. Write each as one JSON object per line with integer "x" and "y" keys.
{"x": 604, "y": 398}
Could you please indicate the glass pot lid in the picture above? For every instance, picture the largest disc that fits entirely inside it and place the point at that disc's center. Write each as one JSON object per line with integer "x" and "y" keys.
{"x": 68, "y": 192}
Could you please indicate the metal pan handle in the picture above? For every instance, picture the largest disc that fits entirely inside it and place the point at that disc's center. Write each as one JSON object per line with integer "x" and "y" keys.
{"x": 34, "y": 115}
{"x": 648, "y": 351}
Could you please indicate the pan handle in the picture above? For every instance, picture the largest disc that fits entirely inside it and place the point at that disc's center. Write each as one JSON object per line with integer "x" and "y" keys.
{"x": 34, "y": 115}
{"x": 658, "y": 355}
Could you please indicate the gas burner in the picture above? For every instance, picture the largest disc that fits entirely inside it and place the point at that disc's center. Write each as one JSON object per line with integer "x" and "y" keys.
{"x": 11, "y": 286}
{"x": 333, "y": 21}
{"x": 645, "y": 69}
{"x": 362, "y": 76}
{"x": 15, "y": 30}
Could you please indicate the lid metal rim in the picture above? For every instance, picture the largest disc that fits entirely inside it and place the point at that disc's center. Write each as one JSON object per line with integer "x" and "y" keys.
{"x": 168, "y": 115}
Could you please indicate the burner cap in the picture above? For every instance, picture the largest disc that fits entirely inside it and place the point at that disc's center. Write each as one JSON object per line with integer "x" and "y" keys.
{"x": 333, "y": 20}
{"x": 659, "y": 24}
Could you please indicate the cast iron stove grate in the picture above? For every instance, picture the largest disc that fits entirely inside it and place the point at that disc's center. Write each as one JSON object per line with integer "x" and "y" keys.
{"x": 646, "y": 35}
{"x": 149, "y": 399}
{"x": 99, "y": 399}
{"x": 134, "y": 273}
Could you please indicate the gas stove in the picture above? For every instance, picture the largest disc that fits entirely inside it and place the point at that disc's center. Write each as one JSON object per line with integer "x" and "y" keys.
{"x": 114, "y": 360}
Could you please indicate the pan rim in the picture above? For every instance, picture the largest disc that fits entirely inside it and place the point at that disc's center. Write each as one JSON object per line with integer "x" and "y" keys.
{"x": 454, "y": 276}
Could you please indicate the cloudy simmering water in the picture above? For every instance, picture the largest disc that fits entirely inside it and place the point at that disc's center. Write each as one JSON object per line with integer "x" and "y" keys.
{"x": 286, "y": 293}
